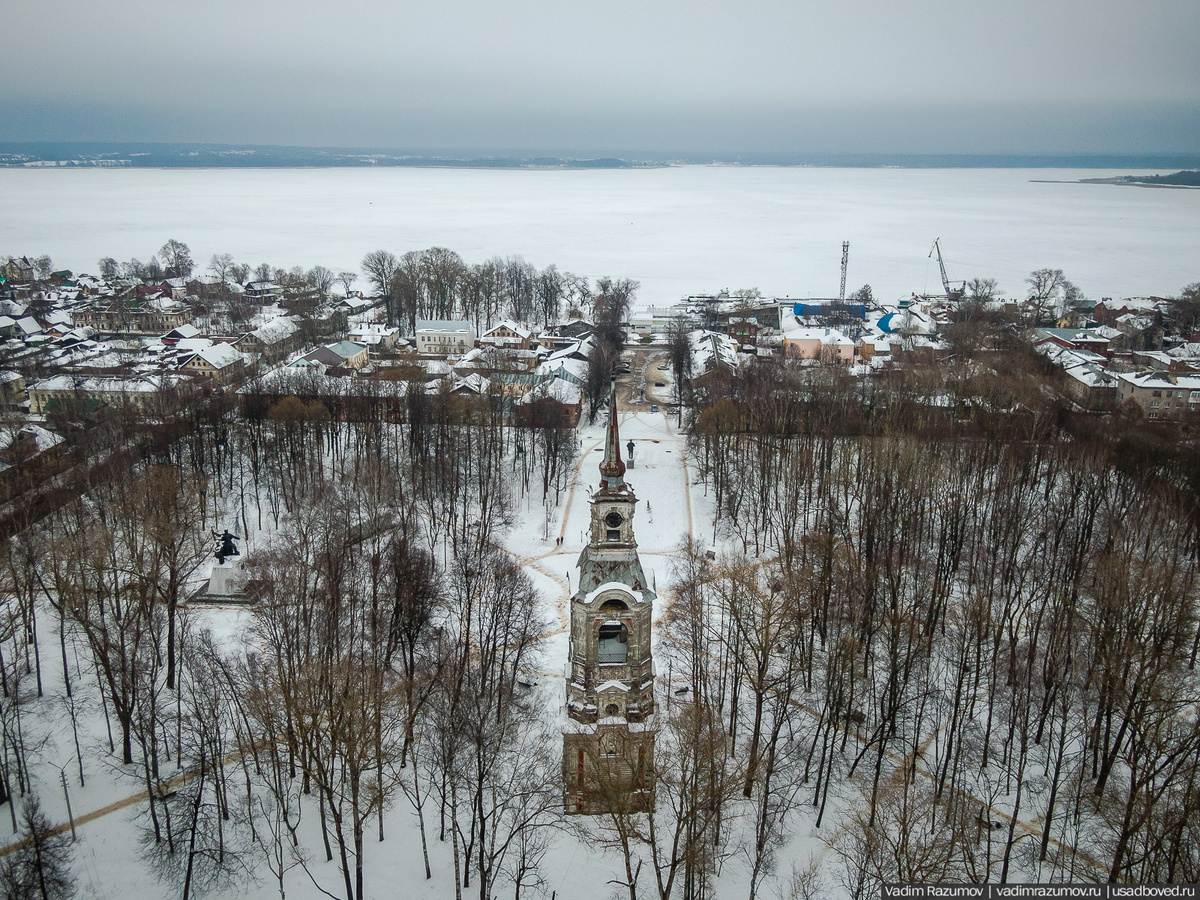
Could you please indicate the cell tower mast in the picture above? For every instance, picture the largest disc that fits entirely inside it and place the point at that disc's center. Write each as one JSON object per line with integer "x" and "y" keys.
{"x": 845, "y": 262}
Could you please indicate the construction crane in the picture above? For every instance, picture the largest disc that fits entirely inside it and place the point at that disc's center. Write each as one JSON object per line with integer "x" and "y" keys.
{"x": 951, "y": 293}
{"x": 845, "y": 261}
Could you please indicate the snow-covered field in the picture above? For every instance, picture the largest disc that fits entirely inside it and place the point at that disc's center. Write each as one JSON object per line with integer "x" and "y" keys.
{"x": 678, "y": 231}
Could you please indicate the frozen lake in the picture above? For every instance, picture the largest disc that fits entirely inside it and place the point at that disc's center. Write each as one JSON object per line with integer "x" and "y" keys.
{"x": 679, "y": 230}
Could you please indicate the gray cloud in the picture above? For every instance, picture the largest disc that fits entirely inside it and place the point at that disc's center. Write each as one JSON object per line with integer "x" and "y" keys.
{"x": 855, "y": 76}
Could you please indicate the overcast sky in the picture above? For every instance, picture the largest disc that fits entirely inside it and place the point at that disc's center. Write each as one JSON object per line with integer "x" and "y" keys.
{"x": 889, "y": 76}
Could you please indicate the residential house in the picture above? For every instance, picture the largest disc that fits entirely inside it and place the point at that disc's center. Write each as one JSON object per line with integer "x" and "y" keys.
{"x": 341, "y": 355}
{"x": 353, "y": 354}
{"x": 145, "y": 393}
{"x": 744, "y": 331}
{"x": 28, "y": 327}
{"x": 552, "y": 403}
{"x": 184, "y": 332}
{"x": 18, "y": 270}
{"x": 272, "y": 341}
{"x": 507, "y": 334}
{"x": 1084, "y": 375}
{"x": 825, "y": 344}
{"x": 442, "y": 337}
{"x": 151, "y": 316}
{"x": 1161, "y": 395}
{"x": 374, "y": 334}
{"x": 357, "y": 304}
{"x": 219, "y": 362}
{"x": 263, "y": 291}
{"x": 1074, "y": 339}
{"x": 1107, "y": 311}
{"x": 12, "y": 388}
{"x": 710, "y": 351}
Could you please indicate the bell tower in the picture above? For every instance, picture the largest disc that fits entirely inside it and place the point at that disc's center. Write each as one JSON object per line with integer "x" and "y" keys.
{"x": 608, "y": 744}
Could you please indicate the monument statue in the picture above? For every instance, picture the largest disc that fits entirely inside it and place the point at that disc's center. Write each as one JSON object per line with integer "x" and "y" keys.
{"x": 224, "y": 546}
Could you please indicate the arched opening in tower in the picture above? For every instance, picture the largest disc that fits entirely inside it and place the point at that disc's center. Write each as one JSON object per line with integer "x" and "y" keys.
{"x": 614, "y": 643}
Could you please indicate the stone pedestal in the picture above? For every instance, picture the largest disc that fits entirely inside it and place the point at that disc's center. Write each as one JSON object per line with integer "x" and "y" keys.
{"x": 227, "y": 582}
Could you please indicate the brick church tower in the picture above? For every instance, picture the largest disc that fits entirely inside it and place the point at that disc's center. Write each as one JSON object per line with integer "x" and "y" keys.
{"x": 608, "y": 744}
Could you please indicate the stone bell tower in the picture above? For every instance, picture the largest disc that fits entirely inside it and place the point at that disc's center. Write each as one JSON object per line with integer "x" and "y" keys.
{"x": 608, "y": 744}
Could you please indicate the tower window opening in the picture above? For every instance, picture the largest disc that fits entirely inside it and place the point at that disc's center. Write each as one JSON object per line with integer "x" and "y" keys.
{"x": 614, "y": 643}
{"x": 614, "y": 534}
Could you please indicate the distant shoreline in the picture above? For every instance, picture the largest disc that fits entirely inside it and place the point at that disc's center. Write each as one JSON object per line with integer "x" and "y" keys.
{"x": 1181, "y": 179}
{"x": 1117, "y": 181}
{"x": 131, "y": 155}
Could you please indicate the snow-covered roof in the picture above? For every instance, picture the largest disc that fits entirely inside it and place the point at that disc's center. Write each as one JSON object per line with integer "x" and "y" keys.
{"x": 1160, "y": 380}
{"x": 1064, "y": 356}
{"x": 826, "y": 336}
{"x": 519, "y": 330}
{"x": 444, "y": 326}
{"x": 710, "y": 349}
{"x": 372, "y": 332}
{"x": 1148, "y": 304}
{"x": 573, "y": 370}
{"x": 43, "y": 440}
{"x": 1134, "y": 320}
{"x": 29, "y": 325}
{"x": 186, "y": 330}
{"x": 1091, "y": 335}
{"x": 635, "y": 596}
{"x": 1185, "y": 351}
{"x": 134, "y": 384}
{"x": 1090, "y": 374}
{"x": 346, "y": 349}
{"x": 219, "y": 356}
{"x": 275, "y": 331}
{"x": 563, "y": 391}
{"x": 474, "y": 384}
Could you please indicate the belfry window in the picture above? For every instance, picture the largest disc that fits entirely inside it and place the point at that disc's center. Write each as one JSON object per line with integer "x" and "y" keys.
{"x": 614, "y": 643}
{"x": 613, "y": 520}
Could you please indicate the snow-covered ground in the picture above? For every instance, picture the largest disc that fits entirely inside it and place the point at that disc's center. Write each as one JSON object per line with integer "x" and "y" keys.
{"x": 671, "y": 508}
{"x": 107, "y": 810}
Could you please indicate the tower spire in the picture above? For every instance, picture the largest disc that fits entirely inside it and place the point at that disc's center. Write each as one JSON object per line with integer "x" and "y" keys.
{"x": 612, "y": 469}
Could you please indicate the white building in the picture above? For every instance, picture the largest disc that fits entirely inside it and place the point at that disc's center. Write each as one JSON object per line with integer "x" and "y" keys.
{"x": 444, "y": 337}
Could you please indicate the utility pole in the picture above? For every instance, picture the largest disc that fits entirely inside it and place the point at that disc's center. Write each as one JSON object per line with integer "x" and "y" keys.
{"x": 66, "y": 794}
{"x": 845, "y": 262}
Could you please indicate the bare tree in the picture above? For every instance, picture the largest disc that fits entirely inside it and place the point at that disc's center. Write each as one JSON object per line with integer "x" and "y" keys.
{"x": 322, "y": 279}
{"x": 220, "y": 264}
{"x": 380, "y": 267}
{"x": 176, "y": 258}
{"x": 41, "y": 866}
{"x": 1045, "y": 292}
{"x": 982, "y": 290}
